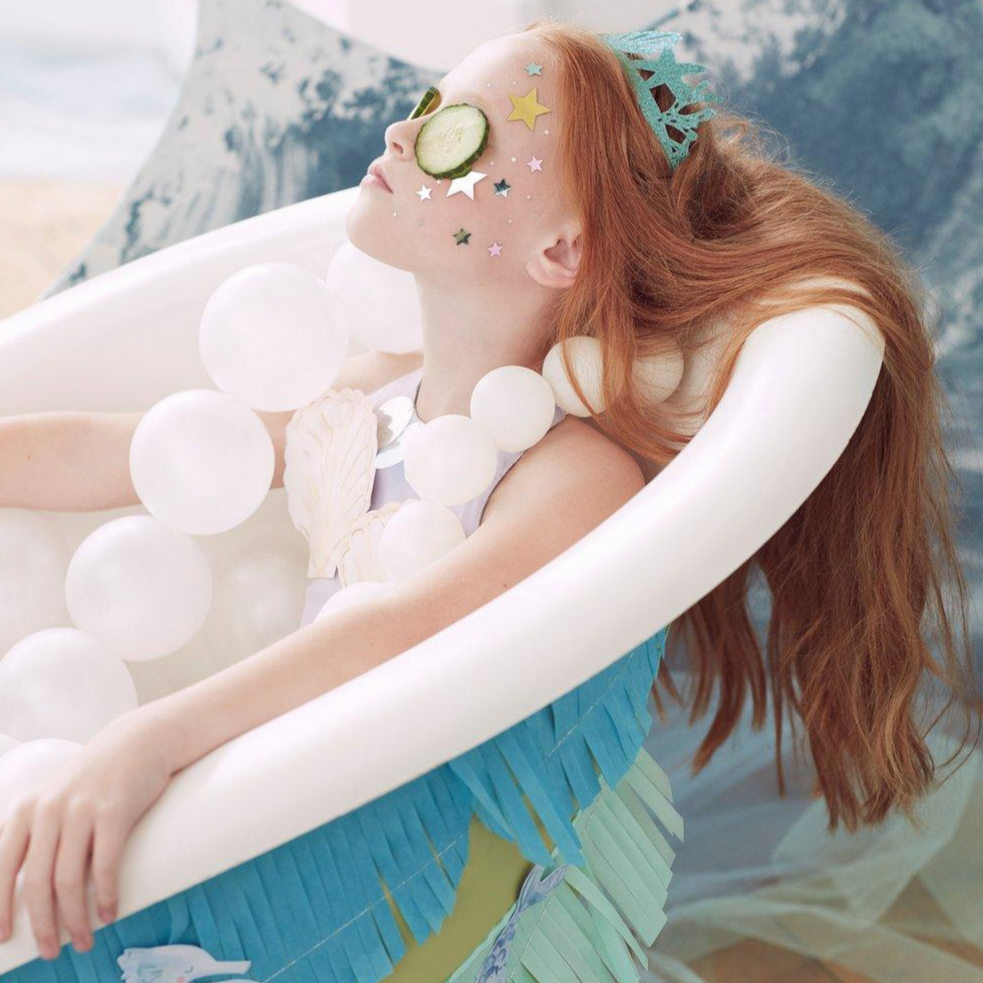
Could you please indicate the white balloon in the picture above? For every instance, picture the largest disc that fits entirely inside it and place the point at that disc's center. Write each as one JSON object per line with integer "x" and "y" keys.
{"x": 271, "y": 337}
{"x": 25, "y": 769}
{"x": 259, "y": 591}
{"x": 139, "y": 586}
{"x": 6, "y": 743}
{"x": 586, "y": 359}
{"x": 33, "y": 561}
{"x": 418, "y": 533}
{"x": 515, "y": 405}
{"x": 378, "y": 302}
{"x": 201, "y": 461}
{"x": 357, "y": 593}
{"x": 450, "y": 459}
{"x": 659, "y": 375}
{"x": 62, "y": 682}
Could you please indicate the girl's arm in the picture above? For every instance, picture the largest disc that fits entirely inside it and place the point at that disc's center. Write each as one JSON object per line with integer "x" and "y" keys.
{"x": 63, "y": 460}
{"x": 563, "y": 487}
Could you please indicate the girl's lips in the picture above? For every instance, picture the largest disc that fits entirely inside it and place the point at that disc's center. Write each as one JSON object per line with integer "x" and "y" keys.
{"x": 375, "y": 171}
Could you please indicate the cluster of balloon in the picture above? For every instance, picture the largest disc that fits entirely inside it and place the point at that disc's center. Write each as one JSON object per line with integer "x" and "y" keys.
{"x": 451, "y": 459}
{"x": 273, "y": 337}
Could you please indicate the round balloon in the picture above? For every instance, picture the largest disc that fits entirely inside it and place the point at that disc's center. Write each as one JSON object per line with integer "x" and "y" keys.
{"x": 584, "y": 354}
{"x": 62, "y": 682}
{"x": 259, "y": 591}
{"x": 379, "y": 303}
{"x": 139, "y": 586}
{"x": 515, "y": 405}
{"x": 358, "y": 593}
{"x": 450, "y": 459}
{"x": 418, "y": 533}
{"x": 659, "y": 375}
{"x": 28, "y": 767}
{"x": 201, "y": 461}
{"x": 33, "y": 561}
{"x": 271, "y": 337}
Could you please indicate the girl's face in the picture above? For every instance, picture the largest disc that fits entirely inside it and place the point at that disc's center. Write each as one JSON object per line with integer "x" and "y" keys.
{"x": 506, "y": 206}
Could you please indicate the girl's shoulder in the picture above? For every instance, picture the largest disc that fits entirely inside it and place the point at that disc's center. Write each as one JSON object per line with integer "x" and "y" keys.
{"x": 574, "y": 462}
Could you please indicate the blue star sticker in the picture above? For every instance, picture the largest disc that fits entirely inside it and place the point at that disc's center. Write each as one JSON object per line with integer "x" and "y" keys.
{"x": 502, "y": 188}
{"x": 533, "y": 69}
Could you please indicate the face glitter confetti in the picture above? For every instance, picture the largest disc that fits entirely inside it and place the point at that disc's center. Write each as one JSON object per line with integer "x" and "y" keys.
{"x": 424, "y": 193}
{"x": 526, "y": 109}
{"x": 465, "y": 184}
{"x": 533, "y": 69}
{"x": 495, "y": 249}
{"x": 502, "y": 188}
{"x": 535, "y": 164}
{"x": 461, "y": 237}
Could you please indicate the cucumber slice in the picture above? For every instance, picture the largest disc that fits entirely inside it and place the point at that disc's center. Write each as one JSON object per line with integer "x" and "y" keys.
{"x": 425, "y": 102}
{"x": 452, "y": 140}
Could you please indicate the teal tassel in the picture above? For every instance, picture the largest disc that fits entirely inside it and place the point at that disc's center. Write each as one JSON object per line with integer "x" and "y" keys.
{"x": 284, "y": 911}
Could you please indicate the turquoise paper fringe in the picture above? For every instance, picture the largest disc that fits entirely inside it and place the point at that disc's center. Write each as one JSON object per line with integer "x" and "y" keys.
{"x": 284, "y": 910}
{"x": 585, "y": 929}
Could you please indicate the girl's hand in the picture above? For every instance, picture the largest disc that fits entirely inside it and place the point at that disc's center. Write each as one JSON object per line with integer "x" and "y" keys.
{"x": 89, "y": 809}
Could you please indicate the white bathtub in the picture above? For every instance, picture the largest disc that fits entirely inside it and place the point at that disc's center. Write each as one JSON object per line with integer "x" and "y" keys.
{"x": 125, "y": 339}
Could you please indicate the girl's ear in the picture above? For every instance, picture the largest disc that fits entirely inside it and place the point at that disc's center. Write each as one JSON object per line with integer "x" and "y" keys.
{"x": 556, "y": 263}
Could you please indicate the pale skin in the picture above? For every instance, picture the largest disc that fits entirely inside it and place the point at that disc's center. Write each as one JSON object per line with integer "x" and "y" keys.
{"x": 479, "y": 311}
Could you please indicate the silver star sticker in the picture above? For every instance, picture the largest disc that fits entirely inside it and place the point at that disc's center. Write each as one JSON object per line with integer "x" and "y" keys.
{"x": 465, "y": 184}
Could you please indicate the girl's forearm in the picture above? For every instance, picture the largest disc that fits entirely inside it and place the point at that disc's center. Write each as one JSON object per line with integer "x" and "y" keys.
{"x": 63, "y": 460}
{"x": 292, "y": 671}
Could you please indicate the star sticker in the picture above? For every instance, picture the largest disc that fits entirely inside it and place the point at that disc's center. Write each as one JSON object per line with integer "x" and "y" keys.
{"x": 502, "y": 188}
{"x": 512, "y": 159}
{"x": 494, "y": 249}
{"x": 535, "y": 164}
{"x": 424, "y": 193}
{"x": 461, "y": 237}
{"x": 533, "y": 69}
{"x": 465, "y": 184}
{"x": 526, "y": 108}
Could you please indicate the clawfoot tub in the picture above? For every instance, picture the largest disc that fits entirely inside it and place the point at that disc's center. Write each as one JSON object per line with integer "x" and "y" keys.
{"x": 224, "y": 859}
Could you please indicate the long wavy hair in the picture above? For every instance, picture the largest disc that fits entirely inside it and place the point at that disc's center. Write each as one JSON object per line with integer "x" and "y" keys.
{"x": 867, "y": 565}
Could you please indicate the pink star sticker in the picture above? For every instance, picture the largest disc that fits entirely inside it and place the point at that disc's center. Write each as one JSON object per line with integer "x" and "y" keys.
{"x": 535, "y": 164}
{"x": 495, "y": 249}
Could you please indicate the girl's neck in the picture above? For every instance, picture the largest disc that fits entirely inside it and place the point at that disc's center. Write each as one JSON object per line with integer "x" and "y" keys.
{"x": 467, "y": 333}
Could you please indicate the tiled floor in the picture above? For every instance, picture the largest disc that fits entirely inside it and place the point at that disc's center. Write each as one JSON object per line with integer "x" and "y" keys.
{"x": 755, "y": 962}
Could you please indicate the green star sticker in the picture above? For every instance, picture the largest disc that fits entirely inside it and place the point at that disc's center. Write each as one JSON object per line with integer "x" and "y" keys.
{"x": 461, "y": 237}
{"x": 533, "y": 69}
{"x": 502, "y": 188}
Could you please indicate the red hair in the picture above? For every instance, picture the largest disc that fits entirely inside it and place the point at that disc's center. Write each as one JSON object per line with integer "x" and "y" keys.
{"x": 859, "y": 573}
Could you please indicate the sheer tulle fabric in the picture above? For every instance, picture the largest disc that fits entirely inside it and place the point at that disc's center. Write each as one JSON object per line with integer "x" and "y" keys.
{"x": 758, "y": 866}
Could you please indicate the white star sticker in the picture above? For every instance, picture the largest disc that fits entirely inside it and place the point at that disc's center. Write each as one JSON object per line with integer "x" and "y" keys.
{"x": 535, "y": 164}
{"x": 465, "y": 184}
{"x": 424, "y": 193}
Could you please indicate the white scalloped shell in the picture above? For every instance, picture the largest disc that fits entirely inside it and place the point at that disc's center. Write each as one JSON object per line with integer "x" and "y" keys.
{"x": 359, "y": 552}
{"x": 329, "y": 469}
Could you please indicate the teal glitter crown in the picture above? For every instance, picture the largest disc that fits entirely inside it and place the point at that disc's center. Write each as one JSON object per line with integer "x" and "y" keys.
{"x": 665, "y": 71}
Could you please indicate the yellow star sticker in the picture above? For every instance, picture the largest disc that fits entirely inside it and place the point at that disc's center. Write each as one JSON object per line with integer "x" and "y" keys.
{"x": 526, "y": 108}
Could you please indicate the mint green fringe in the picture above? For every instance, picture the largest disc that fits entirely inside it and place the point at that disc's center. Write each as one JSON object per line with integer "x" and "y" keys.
{"x": 604, "y": 911}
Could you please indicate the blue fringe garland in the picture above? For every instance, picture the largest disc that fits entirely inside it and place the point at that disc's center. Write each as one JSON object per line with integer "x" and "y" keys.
{"x": 283, "y": 910}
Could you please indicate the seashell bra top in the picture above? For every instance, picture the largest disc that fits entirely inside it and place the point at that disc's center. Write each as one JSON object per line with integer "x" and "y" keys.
{"x": 343, "y": 475}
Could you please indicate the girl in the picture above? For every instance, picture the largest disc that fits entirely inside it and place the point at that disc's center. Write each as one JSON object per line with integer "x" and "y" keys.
{"x": 582, "y": 224}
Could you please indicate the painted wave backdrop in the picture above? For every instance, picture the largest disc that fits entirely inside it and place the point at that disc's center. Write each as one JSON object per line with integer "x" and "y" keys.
{"x": 881, "y": 99}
